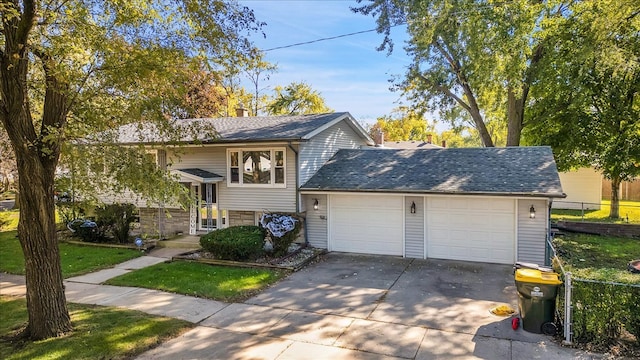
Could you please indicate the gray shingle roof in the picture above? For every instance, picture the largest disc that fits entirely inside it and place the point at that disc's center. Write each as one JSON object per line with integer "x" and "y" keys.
{"x": 237, "y": 129}
{"x": 526, "y": 171}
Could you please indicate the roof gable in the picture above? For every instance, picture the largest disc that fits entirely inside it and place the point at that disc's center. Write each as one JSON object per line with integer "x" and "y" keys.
{"x": 525, "y": 171}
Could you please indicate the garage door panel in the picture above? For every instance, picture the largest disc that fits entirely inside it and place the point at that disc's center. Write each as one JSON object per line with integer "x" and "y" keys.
{"x": 473, "y": 229}
{"x": 366, "y": 224}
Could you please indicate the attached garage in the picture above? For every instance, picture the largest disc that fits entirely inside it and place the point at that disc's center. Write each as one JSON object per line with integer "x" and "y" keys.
{"x": 473, "y": 229}
{"x": 481, "y": 204}
{"x": 366, "y": 224}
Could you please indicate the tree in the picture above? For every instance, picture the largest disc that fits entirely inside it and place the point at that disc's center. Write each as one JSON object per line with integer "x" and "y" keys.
{"x": 588, "y": 105}
{"x": 296, "y": 99}
{"x": 204, "y": 96}
{"x": 469, "y": 53}
{"x": 8, "y": 170}
{"x": 71, "y": 68}
{"x": 403, "y": 125}
{"x": 258, "y": 70}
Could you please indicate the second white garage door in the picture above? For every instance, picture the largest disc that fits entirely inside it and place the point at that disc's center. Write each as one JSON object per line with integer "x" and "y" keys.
{"x": 366, "y": 224}
{"x": 473, "y": 229}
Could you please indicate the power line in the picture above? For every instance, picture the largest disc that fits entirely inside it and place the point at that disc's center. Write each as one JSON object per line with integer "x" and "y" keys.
{"x": 456, "y": 12}
{"x": 324, "y": 39}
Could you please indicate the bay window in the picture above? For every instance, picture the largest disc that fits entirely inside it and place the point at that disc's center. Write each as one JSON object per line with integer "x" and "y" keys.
{"x": 256, "y": 167}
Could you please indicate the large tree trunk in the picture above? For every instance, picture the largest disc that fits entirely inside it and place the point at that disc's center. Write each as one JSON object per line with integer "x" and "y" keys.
{"x": 614, "y": 211}
{"x": 37, "y": 154}
{"x": 46, "y": 302}
{"x": 515, "y": 116}
{"x": 485, "y": 137}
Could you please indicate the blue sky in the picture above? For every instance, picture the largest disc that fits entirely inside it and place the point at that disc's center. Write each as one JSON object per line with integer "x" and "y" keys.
{"x": 349, "y": 72}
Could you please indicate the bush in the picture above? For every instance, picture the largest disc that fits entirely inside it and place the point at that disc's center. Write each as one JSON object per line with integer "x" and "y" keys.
{"x": 602, "y": 311}
{"x": 115, "y": 220}
{"x": 86, "y": 230}
{"x": 238, "y": 243}
{"x": 283, "y": 230}
{"x": 71, "y": 210}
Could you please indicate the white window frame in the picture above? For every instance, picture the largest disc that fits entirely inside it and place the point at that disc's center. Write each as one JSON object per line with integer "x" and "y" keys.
{"x": 240, "y": 182}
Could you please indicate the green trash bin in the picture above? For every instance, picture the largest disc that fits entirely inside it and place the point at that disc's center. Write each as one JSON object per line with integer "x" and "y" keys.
{"x": 537, "y": 292}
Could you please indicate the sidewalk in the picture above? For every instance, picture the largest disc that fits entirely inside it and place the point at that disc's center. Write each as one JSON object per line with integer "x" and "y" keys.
{"x": 245, "y": 331}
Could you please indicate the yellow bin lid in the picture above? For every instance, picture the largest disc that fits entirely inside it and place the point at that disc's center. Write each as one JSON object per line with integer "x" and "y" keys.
{"x": 538, "y": 277}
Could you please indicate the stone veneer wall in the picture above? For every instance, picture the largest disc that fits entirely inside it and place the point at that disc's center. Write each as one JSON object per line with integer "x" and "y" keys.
{"x": 237, "y": 218}
{"x": 173, "y": 222}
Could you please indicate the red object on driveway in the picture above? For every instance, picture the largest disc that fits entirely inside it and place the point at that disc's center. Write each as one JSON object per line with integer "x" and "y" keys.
{"x": 515, "y": 323}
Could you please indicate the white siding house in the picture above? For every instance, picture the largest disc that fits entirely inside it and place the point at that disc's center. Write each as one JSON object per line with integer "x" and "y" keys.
{"x": 254, "y": 166}
{"x": 583, "y": 188}
{"x": 486, "y": 205}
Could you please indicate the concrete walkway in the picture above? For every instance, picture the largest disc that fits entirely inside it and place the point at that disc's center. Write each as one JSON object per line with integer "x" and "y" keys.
{"x": 251, "y": 331}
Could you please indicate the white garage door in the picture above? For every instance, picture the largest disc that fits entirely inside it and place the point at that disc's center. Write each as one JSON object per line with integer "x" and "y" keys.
{"x": 366, "y": 224}
{"x": 474, "y": 229}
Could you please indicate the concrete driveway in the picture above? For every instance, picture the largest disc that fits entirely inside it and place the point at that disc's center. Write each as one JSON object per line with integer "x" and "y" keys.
{"x": 371, "y": 307}
{"x": 452, "y": 299}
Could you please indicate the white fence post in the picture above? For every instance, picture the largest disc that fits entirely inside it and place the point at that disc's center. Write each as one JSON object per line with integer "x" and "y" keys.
{"x": 567, "y": 308}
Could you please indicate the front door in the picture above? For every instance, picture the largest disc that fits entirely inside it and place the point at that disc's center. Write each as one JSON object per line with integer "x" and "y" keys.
{"x": 207, "y": 208}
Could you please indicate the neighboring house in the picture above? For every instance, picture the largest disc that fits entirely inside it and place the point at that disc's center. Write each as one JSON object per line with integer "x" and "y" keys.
{"x": 255, "y": 165}
{"x": 583, "y": 188}
{"x": 473, "y": 204}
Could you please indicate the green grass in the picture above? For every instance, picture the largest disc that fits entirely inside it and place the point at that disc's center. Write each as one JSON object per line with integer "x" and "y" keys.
{"x": 75, "y": 259}
{"x": 202, "y": 280}
{"x": 99, "y": 333}
{"x": 9, "y": 219}
{"x": 603, "y": 258}
{"x": 628, "y": 210}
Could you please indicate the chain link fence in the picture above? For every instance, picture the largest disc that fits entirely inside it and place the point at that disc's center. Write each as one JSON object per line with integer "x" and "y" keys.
{"x": 596, "y": 312}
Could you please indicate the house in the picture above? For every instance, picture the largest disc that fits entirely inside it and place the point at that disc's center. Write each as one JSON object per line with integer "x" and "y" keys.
{"x": 583, "y": 187}
{"x": 254, "y": 165}
{"x": 487, "y": 204}
{"x": 473, "y": 204}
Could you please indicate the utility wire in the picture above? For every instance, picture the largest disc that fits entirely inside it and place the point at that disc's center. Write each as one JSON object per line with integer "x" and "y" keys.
{"x": 457, "y": 12}
{"x": 324, "y": 39}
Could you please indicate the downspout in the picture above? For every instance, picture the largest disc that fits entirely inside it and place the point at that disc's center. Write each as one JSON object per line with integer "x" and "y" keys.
{"x": 306, "y": 237}
{"x": 547, "y": 258}
{"x": 297, "y": 177}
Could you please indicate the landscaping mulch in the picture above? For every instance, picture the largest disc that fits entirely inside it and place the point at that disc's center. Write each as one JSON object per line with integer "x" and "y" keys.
{"x": 298, "y": 257}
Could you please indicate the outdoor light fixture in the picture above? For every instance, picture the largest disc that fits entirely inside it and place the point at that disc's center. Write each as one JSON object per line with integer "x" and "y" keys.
{"x": 532, "y": 212}
{"x": 413, "y": 207}
{"x": 315, "y": 204}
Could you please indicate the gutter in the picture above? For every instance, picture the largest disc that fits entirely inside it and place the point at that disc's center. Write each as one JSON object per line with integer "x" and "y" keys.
{"x": 306, "y": 233}
{"x": 427, "y": 192}
{"x": 297, "y": 177}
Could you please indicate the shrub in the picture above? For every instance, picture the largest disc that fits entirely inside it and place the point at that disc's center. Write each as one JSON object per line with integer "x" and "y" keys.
{"x": 115, "y": 220}
{"x": 283, "y": 230}
{"x": 603, "y": 310}
{"x": 86, "y": 230}
{"x": 237, "y": 243}
{"x": 70, "y": 210}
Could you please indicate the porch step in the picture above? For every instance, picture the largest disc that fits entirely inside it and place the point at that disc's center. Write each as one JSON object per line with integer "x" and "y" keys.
{"x": 190, "y": 242}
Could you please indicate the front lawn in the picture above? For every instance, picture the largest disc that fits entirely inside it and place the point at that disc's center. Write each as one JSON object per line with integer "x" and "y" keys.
{"x": 9, "y": 219}
{"x": 99, "y": 333}
{"x": 595, "y": 257}
{"x": 76, "y": 259}
{"x": 628, "y": 210}
{"x": 202, "y": 280}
